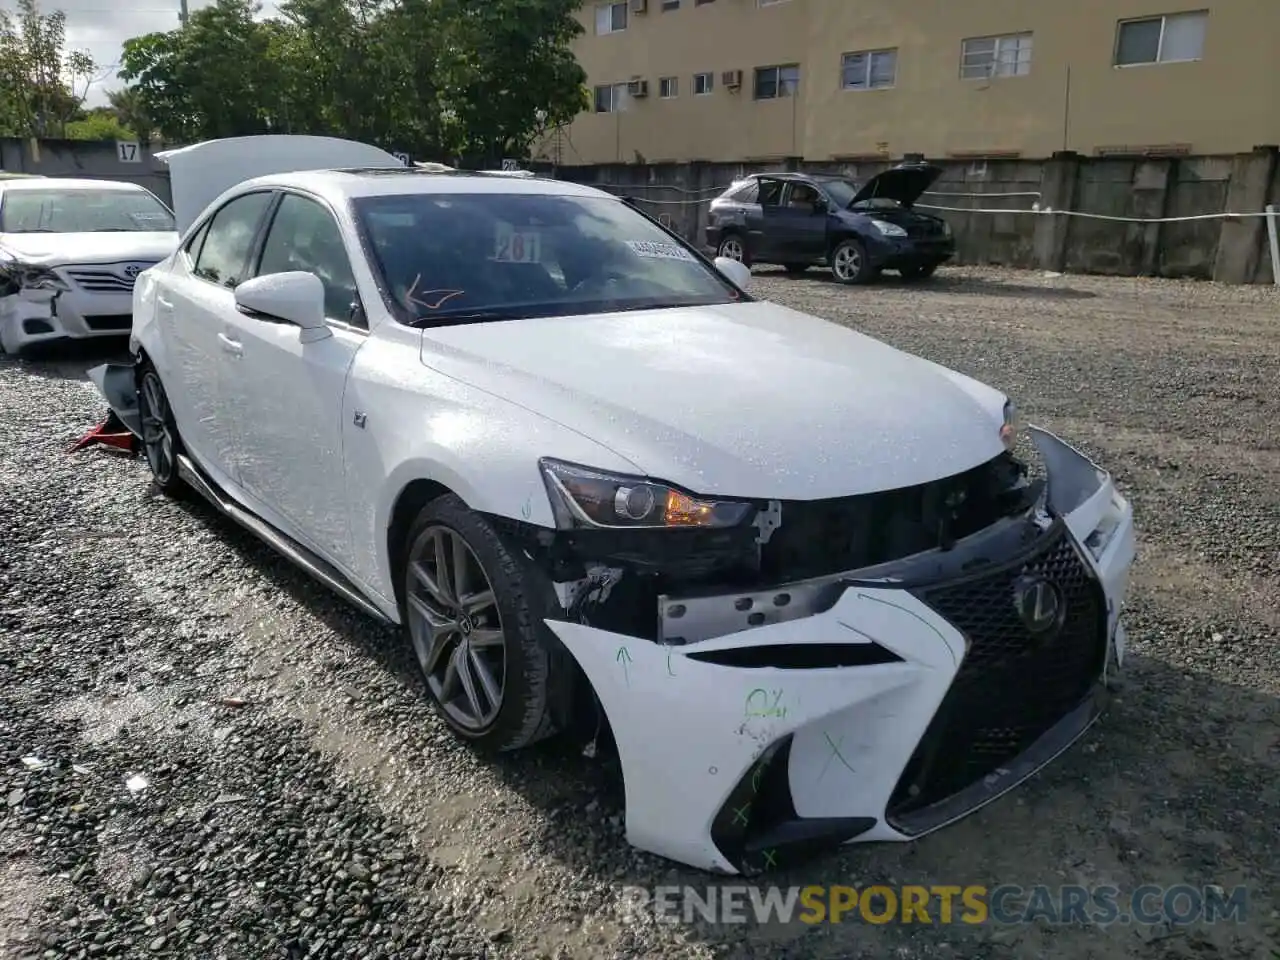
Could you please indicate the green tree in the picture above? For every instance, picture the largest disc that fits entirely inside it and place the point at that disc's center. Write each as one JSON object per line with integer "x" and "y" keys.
{"x": 507, "y": 72}
{"x": 211, "y": 79}
{"x": 130, "y": 111}
{"x": 99, "y": 124}
{"x": 40, "y": 82}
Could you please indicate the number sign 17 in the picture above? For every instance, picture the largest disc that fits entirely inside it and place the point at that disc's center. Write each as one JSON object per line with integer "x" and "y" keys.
{"x": 128, "y": 151}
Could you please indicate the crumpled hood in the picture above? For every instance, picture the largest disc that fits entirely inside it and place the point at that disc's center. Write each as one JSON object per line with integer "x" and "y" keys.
{"x": 749, "y": 400}
{"x": 56, "y": 249}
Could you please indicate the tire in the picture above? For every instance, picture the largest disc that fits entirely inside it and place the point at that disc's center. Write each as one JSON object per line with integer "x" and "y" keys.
{"x": 795, "y": 269}
{"x": 161, "y": 442}
{"x": 920, "y": 271}
{"x": 849, "y": 262}
{"x": 734, "y": 247}
{"x": 506, "y": 633}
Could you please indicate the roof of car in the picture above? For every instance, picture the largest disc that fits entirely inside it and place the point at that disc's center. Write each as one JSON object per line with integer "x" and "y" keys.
{"x": 384, "y": 181}
{"x": 66, "y": 183}
{"x": 796, "y": 175}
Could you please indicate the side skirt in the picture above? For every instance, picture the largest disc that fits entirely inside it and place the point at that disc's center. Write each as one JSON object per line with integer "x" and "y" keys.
{"x": 288, "y": 548}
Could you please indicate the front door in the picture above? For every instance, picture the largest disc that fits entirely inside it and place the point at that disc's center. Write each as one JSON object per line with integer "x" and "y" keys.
{"x": 194, "y": 302}
{"x": 799, "y": 225}
{"x": 291, "y": 457}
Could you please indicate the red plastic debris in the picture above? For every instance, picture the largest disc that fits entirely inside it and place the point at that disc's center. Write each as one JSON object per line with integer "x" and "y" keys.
{"x": 109, "y": 433}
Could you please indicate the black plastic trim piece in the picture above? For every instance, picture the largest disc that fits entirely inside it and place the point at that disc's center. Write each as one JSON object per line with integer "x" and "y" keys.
{"x": 758, "y": 829}
{"x": 799, "y": 656}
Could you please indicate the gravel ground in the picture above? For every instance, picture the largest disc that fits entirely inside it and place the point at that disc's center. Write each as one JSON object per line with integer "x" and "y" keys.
{"x": 205, "y": 755}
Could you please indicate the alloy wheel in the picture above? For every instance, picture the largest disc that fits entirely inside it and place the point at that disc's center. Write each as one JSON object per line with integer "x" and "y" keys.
{"x": 847, "y": 262}
{"x": 157, "y": 435}
{"x": 456, "y": 628}
{"x": 731, "y": 249}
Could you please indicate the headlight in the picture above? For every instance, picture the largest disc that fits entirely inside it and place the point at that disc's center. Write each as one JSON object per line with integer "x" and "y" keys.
{"x": 1009, "y": 429}
{"x": 30, "y": 276}
{"x": 582, "y": 497}
{"x": 889, "y": 229}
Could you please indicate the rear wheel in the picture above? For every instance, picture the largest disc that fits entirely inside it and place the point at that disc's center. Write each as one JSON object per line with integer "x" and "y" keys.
{"x": 732, "y": 247}
{"x": 474, "y": 614}
{"x": 919, "y": 271}
{"x": 849, "y": 262}
{"x": 160, "y": 439}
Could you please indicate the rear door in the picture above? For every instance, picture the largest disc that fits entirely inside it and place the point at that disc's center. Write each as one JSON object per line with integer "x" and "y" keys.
{"x": 194, "y": 304}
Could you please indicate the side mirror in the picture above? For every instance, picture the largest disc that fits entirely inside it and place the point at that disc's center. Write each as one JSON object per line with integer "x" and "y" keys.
{"x": 294, "y": 297}
{"x": 735, "y": 271}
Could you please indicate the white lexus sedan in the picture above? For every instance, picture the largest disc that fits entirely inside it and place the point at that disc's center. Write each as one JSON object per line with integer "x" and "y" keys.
{"x": 70, "y": 251}
{"x": 796, "y": 577}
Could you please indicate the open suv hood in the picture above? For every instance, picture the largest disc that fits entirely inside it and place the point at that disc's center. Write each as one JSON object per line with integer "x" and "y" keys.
{"x": 904, "y": 183}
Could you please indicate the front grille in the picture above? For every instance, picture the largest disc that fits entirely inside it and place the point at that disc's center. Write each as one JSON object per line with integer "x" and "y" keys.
{"x": 1011, "y": 687}
{"x": 121, "y": 321}
{"x": 822, "y": 537}
{"x": 104, "y": 279}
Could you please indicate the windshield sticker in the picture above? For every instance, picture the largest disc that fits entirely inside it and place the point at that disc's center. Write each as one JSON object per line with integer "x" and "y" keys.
{"x": 516, "y": 246}
{"x": 656, "y": 250}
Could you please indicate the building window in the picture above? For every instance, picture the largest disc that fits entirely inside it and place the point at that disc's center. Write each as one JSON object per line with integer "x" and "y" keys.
{"x": 775, "y": 82}
{"x": 670, "y": 5}
{"x": 611, "y": 98}
{"x": 668, "y": 87}
{"x": 1008, "y": 56}
{"x": 699, "y": 3}
{"x": 1175, "y": 38}
{"x": 611, "y": 18}
{"x": 869, "y": 70}
{"x": 703, "y": 83}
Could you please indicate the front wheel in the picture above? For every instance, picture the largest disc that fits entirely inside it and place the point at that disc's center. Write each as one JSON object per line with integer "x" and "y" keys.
{"x": 849, "y": 262}
{"x": 160, "y": 439}
{"x": 919, "y": 271}
{"x": 474, "y": 615}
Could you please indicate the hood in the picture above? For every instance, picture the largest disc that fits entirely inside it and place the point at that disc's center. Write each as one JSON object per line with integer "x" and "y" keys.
{"x": 56, "y": 249}
{"x": 748, "y": 400}
{"x": 904, "y": 183}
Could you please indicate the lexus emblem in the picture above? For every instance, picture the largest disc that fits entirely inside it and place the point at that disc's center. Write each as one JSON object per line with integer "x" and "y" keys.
{"x": 1040, "y": 605}
{"x": 132, "y": 271}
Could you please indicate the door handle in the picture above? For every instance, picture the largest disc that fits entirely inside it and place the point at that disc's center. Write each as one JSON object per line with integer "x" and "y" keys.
{"x": 233, "y": 347}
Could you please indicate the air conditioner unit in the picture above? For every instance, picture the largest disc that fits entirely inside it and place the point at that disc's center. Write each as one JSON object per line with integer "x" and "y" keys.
{"x": 731, "y": 79}
{"x": 638, "y": 88}
{"x": 639, "y": 6}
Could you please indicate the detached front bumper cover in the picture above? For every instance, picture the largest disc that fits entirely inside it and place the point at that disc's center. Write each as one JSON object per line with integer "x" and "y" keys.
{"x": 887, "y": 719}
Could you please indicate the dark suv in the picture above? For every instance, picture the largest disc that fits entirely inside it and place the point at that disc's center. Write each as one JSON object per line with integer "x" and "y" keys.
{"x": 803, "y": 220}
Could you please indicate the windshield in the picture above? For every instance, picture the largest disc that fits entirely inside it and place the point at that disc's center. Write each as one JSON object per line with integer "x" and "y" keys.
{"x": 82, "y": 211}
{"x": 449, "y": 257}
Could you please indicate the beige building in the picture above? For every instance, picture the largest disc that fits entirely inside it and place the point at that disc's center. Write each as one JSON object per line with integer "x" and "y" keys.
{"x": 743, "y": 80}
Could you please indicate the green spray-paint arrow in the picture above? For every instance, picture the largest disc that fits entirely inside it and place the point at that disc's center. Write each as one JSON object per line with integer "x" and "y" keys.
{"x": 624, "y": 658}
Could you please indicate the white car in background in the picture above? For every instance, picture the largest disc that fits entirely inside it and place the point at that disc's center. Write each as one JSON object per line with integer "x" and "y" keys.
{"x": 70, "y": 251}
{"x": 800, "y": 576}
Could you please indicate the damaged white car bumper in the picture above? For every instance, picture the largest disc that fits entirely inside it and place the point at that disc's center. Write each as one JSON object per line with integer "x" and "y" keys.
{"x": 33, "y": 316}
{"x": 876, "y": 705}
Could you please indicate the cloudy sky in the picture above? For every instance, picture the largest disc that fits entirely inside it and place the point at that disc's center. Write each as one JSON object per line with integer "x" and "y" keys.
{"x": 100, "y": 26}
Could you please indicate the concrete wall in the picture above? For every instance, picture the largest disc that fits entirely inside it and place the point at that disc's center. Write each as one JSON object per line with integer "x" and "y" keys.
{"x": 95, "y": 160}
{"x": 1071, "y": 97}
{"x": 1230, "y": 251}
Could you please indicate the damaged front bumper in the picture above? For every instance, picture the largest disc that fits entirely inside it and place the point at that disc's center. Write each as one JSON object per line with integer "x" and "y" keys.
{"x": 879, "y": 704}
{"x": 31, "y": 316}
